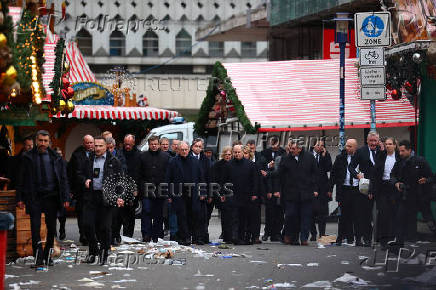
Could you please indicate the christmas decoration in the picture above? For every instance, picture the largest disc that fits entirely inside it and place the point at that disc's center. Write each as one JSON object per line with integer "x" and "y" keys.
{"x": 119, "y": 186}
{"x": 122, "y": 85}
{"x": 220, "y": 93}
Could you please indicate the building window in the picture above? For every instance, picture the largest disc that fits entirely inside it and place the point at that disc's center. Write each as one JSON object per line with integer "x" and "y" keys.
{"x": 183, "y": 43}
{"x": 150, "y": 44}
{"x": 248, "y": 49}
{"x": 117, "y": 43}
{"x": 84, "y": 41}
{"x": 216, "y": 49}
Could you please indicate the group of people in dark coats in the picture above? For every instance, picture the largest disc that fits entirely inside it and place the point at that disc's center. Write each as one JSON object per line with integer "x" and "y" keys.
{"x": 295, "y": 185}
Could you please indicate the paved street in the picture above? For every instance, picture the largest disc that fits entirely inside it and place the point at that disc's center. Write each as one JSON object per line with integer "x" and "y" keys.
{"x": 264, "y": 266}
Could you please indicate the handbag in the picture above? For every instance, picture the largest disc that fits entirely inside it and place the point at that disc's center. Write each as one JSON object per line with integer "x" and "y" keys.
{"x": 364, "y": 186}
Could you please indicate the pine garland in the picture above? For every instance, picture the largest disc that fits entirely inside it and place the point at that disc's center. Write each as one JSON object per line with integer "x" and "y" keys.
{"x": 30, "y": 37}
{"x": 219, "y": 73}
{"x": 56, "y": 82}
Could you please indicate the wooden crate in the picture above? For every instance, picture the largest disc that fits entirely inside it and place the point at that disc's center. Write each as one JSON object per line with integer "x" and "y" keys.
{"x": 7, "y": 204}
{"x": 24, "y": 234}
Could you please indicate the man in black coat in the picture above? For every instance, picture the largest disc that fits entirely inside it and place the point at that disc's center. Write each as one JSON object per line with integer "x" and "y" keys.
{"x": 125, "y": 216}
{"x": 298, "y": 174}
{"x": 79, "y": 157}
{"x": 153, "y": 167}
{"x": 261, "y": 169}
{"x": 362, "y": 166}
{"x": 273, "y": 210}
{"x": 347, "y": 191}
{"x": 189, "y": 201}
{"x": 409, "y": 176}
{"x": 97, "y": 212}
{"x": 14, "y": 163}
{"x": 244, "y": 177}
{"x": 43, "y": 189}
{"x": 206, "y": 168}
{"x": 321, "y": 202}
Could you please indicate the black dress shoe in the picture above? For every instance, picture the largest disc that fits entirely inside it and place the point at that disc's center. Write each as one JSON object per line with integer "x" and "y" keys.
{"x": 62, "y": 235}
{"x": 295, "y": 243}
{"x": 155, "y": 240}
{"x": 185, "y": 242}
{"x": 257, "y": 241}
{"x": 313, "y": 238}
{"x": 146, "y": 239}
{"x": 265, "y": 238}
{"x": 199, "y": 243}
{"x": 83, "y": 241}
{"x": 173, "y": 238}
{"x": 90, "y": 259}
{"x": 359, "y": 244}
{"x": 366, "y": 244}
{"x": 115, "y": 242}
{"x": 276, "y": 238}
{"x": 237, "y": 242}
{"x": 103, "y": 257}
{"x": 37, "y": 264}
{"x": 50, "y": 262}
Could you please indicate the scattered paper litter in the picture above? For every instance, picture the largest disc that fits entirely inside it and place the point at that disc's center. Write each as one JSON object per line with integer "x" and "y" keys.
{"x": 321, "y": 246}
{"x": 120, "y": 268}
{"x": 318, "y": 284}
{"x": 128, "y": 240}
{"x": 14, "y": 286}
{"x": 10, "y": 276}
{"x": 289, "y": 265}
{"x": 419, "y": 259}
{"x": 427, "y": 278}
{"x": 363, "y": 258}
{"x": 345, "y": 262}
{"x": 312, "y": 264}
{"x": 259, "y": 262}
{"x": 97, "y": 273}
{"x": 73, "y": 245}
{"x": 124, "y": 281}
{"x": 31, "y": 282}
{"x": 369, "y": 268}
{"x": 327, "y": 240}
{"x": 93, "y": 285}
{"x": 126, "y": 275}
{"x": 118, "y": 287}
{"x": 85, "y": 280}
{"x": 198, "y": 274}
{"x": 279, "y": 285}
{"x": 330, "y": 256}
{"x": 423, "y": 242}
{"x": 348, "y": 278}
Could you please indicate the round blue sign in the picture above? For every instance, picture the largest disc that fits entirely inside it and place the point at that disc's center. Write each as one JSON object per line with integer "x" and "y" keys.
{"x": 373, "y": 26}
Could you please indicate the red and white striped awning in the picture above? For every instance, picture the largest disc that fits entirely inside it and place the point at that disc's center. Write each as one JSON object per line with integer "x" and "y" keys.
{"x": 79, "y": 69}
{"x": 304, "y": 95}
{"x": 119, "y": 113}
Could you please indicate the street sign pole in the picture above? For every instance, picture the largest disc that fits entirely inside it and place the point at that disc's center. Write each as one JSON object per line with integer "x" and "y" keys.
{"x": 373, "y": 120}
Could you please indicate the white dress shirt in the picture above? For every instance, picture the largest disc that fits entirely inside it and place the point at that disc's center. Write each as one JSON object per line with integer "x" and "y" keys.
{"x": 389, "y": 164}
{"x": 347, "y": 178}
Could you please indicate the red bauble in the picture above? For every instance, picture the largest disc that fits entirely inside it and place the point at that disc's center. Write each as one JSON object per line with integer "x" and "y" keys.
{"x": 70, "y": 92}
{"x": 223, "y": 93}
{"x": 65, "y": 82}
{"x": 396, "y": 94}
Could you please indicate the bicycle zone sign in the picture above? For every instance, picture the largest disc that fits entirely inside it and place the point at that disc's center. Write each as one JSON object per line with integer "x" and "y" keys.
{"x": 373, "y": 29}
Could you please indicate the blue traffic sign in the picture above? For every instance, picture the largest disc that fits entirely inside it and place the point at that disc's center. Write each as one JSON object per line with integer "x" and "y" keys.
{"x": 373, "y": 26}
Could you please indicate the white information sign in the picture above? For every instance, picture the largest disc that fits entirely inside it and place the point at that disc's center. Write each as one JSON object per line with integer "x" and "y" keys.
{"x": 373, "y": 93}
{"x": 372, "y": 76}
{"x": 372, "y": 29}
{"x": 374, "y": 56}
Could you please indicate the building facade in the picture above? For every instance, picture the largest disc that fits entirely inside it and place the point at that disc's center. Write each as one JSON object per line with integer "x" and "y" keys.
{"x": 155, "y": 40}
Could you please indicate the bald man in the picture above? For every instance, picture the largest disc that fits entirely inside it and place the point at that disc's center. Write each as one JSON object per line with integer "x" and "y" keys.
{"x": 347, "y": 192}
{"x": 78, "y": 158}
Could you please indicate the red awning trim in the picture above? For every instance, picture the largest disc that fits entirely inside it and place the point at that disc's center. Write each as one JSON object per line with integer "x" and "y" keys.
{"x": 118, "y": 113}
{"x": 360, "y": 126}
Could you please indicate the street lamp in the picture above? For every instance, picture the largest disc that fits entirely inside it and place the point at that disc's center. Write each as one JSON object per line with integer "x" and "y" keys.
{"x": 341, "y": 37}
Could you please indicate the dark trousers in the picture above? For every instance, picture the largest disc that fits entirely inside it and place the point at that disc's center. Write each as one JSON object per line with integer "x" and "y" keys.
{"x": 226, "y": 221}
{"x": 298, "y": 211}
{"x": 190, "y": 223}
{"x": 406, "y": 220}
{"x": 239, "y": 216}
{"x": 320, "y": 211}
{"x": 124, "y": 216}
{"x": 274, "y": 217}
{"x": 48, "y": 206}
{"x": 364, "y": 217}
{"x": 349, "y": 213}
{"x": 152, "y": 218}
{"x": 387, "y": 206}
{"x": 97, "y": 220}
{"x": 79, "y": 212}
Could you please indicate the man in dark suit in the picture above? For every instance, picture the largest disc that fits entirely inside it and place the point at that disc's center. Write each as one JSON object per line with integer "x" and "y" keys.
{"x": 261, "y": 167}
{"x": 78, "y": 159}
{"x": 362, "y": 166}
{"x": 188, "y": 201}
{"x": 347, "y": 190}
{"x": 321, "y": 202}
{"x": 298, "y": 173}
{"x": 273, "y": 216}
{"x": 409, "y": 176}
{"x": 206, "y": 168}
{"x": 43, "y": 189}
{"x": 97, "y": 212}
{"x": 153, "y": 167}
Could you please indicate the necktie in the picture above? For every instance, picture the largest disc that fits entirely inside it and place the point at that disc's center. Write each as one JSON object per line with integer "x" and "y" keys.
{"x": 43, "y": 172}
{"x": 317, "y": 157}
{"x": 373, "y": 156}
